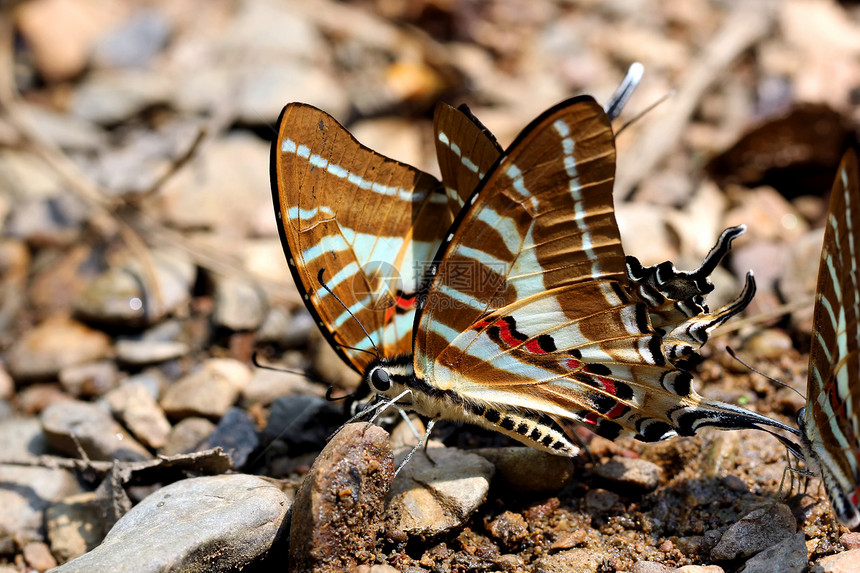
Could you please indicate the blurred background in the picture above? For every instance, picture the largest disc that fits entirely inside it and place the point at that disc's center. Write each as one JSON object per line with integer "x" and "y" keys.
{"x": 137, "y": 235}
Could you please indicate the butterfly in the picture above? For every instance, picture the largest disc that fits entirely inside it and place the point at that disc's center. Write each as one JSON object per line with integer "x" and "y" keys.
{"x": 830, "y": 422}
{"x": 529, "y": 315}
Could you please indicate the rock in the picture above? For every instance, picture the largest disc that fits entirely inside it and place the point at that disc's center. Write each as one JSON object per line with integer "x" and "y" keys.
{"x": 208, "y": 392}
{"x": 287, "y": 330}
{"x": 118, "y": 295}
{"x": 430, "y": 498}
{"x": 515, "y": 468}
{"x": 570, "y": 561}
{"x": 65, "y": 131}
{"x": 845, "y": 562}
{"x": 140, "y": 352}
{"x": 72, "y": 424}
{"x": 268, "y": 385}
{"x": 239, "y": 304}
{"x": 38, "y": 556}
{"x": 755, "y": 532}
{"x": 135, "y": 407}
{"x": 597, "y": 500}
{"x": 55, "y": 344}
{"x": 25, "y": 494}
{"x": 336, "y": 511}
{"x": 74, "y": 526}
{"x": 302, "y": 422}
{"x": 227, "y": 190}
{"x": 134, "y": 43}
{"x": 22, "y": 438}
{"x": 236, "y": 434}
{"x": 508, "y": 528}
{"x": 624, "y": 472}
{"x": 217, "y": 523}
{"x": 769, "y": 344}
{"x": 850, "y": 540}
{"x": 649, "y": 567}
{"x": 34, "y": 398}
{"x": 187, "y": 435}
{"x": 89, "y": 379}
{"x": 699, "y": 569}
{"x": 112, "y": 96}
{"x": 787, "y": 556}
{"x": 51, "y": 220}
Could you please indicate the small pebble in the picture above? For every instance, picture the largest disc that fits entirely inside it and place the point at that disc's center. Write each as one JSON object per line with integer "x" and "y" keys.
{"x": 53, "y": 345}
{"x": 140, "y": 352}
{"x": 629, "y": 472}
{"x": 72, "y": 425}
{"x": 845, "y": 562}
{"x": 515, "y": 468}
{"x": 38, "y": 556}
{"x": 239, "y": 304}
{"x": 790, "y": 554}
{"x": 755, "y": 532}
{"x": 74, "y": 526}
{"x": 600, "y": 500}
{"x": 186, "y": 436}
{"x": 89, "y": 379}
{"x": 570, "y": 561}
{"x": 209, "y": 392}
{"x": 648, "y": 567}
{"x": 135, "y": 407}
{"x": 430, "y": 498}
{"x": 236, "y": 434}
{"x": 508, "y": 528}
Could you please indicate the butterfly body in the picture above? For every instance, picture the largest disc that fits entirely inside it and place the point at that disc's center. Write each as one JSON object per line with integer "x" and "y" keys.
{"x": 830, "y": 422}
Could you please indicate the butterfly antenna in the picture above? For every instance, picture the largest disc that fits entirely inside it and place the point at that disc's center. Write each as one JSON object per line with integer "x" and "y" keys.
{"x": 255, "y": 360}
{"x": 760, "y": 373}
{"x": 346, "y": 308}
{"x": 625, "y": 90}
{"x": 648, "y": 109}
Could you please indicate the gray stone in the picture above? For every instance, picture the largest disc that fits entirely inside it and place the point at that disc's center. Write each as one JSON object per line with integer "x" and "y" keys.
{"x": 55, "y": 344}
{"x": 219, "y": 523}
{"x": 187, "y": 435}
{"x": 600, "y": 499}
{"x": 787, "y": 556}
{"x": 629, "y": 472}
{"x": 140, "y": 352}
{"x": 515, "y": 467}
{"x": 71, "y": 424}
{"x": 120, "y": 296}
{"x": 89, "y": 379}
{"x": 135, "y": 407}
{"x": 25, "y": 492}
{"x": 428, "y": 498}
{"x": 74, "y": 526}
{"x": 336, "y": 511}
{"x": 208, "y": 392}
{"x": 266, "y": 386}
{"x": 570, "y": 561}
{"x": 755, "y": 532}
{"x": 239, "y": 304}
{"x": 135, "y": 43}
{"x": 236, "y": 434}
{"x": 109, "y": 97}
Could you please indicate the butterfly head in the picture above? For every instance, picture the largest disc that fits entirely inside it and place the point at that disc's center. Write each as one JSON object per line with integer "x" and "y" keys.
{"x": 391, "y": 377}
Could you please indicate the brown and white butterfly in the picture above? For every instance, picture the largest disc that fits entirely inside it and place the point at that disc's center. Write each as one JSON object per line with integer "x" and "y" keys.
{"x": 527, "y": 316}
{"x": 830, "y": 422}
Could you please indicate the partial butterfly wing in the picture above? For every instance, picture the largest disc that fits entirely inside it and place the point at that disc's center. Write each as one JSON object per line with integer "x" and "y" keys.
{"x": 361, "y": 223}
{"x": 465, "y": 150}
{"x": 830, "y": 423}
{"x": 527, "y": 314}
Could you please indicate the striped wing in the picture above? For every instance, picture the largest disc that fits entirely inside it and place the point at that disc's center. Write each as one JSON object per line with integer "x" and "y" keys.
{"x": 528, "y": 307}
{"x": 465, "y": 150}
{"x": 830, "y": 422}
{"x": 367, "y": 223}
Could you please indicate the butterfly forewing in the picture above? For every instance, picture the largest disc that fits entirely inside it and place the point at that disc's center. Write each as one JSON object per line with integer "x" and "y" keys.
{"x": 832, "y": 415}
{"x": 370, "y": 222}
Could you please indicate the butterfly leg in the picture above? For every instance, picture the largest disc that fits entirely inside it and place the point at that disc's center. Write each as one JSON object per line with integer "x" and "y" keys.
{"x": 421, "y": 442}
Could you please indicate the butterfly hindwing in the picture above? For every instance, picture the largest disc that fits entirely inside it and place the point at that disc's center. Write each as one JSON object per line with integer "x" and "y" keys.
{"x": 832, "y": 415}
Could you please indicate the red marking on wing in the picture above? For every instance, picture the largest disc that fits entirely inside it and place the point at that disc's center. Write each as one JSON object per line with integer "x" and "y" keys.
{"x": 533, "y": 346}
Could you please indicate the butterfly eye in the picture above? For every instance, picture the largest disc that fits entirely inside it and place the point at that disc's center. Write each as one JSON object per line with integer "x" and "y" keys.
{"x": 379, "y": 380}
